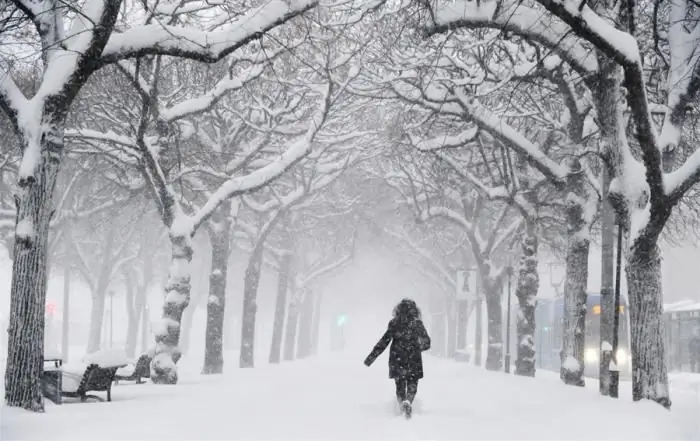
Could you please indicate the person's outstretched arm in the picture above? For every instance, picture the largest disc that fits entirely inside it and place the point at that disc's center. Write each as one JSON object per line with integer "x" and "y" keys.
{"x": 423, "y": 337}
{"x": 379, "y": 347}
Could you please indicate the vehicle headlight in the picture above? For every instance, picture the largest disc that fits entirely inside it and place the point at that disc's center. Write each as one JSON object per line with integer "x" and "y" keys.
{"x": 591, "y": 355}
{"x": 621, "y": 356}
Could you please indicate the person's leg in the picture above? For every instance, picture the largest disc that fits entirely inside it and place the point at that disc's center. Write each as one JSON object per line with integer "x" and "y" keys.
{"x": 411, "y": 389}
{"x": 400, "y": 389}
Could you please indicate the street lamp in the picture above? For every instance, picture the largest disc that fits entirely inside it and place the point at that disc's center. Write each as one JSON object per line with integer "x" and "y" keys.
{"x": 509, "y": 271}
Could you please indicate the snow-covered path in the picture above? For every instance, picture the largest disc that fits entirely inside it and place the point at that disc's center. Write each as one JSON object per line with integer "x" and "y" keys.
{"x": 336, "y": 397}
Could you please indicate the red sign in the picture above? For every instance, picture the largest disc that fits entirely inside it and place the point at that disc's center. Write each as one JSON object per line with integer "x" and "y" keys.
{"x": 50, "y": 308}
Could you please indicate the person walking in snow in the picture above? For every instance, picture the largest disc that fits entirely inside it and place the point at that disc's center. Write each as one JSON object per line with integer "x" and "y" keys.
{"x": 408, "y": 339}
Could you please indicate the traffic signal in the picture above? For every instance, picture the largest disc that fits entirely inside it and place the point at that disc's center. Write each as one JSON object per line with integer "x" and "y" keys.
{"x": 340, "y": 321}
{"x": 50, "y": 309}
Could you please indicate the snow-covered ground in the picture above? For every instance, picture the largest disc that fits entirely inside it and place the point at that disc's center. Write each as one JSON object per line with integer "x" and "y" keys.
{"x": 336, "y": 397}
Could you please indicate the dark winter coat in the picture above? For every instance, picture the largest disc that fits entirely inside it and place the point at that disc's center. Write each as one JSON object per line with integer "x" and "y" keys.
{"x": 408, "y": 339}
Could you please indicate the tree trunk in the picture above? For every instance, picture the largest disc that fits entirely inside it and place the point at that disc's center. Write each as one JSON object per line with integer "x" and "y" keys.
{"x": 280, "y": 306}
{"x": 99, "y": 293}
{"x": 145, "y": 334}
{"x": 451, "y": 329}
{"x": 649, "y": 375}
{"x": 216, "y": 304}
{"x": 317, "y": 324}
{"x": 494, "y": 313}
{"x": 575, "y": 299}
{"x": 25, "y": 354}
{"x": 478, "y": 323}
{"x": 608, "y": 95}
{"x": 177, "y": 297}
{"x": 250, "y": 307}
{"x": 133, "y": 316}
{"x": 65, "y": 334}
{"x": 306, "y": 316}
{"x": 572, "y": 359}
{"x": 97, "y": 313}
{"x": 526, "y": 292}
{"x": 290, "y": 334}
{"x": 462, "y": 323}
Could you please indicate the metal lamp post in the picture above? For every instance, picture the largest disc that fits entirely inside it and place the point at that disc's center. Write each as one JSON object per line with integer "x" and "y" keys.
{"x": 509, "y": 270}
{"x": 615, "y": 373}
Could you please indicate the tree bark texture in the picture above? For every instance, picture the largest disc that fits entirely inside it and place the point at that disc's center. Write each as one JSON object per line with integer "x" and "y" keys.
{"x": 29, "y": 277}
{"x": 526, "y": 292}
{"x": 280, "y": 307}
{"x": 250, "y": 307}
{"x": 575, "y": 299}
{"x": 177, "y": 297}
{"x": 575, "y": 295}
{"x": 494, "y": 313}
{"x": 216, "y": 305}
{"x": 649, "y": 375}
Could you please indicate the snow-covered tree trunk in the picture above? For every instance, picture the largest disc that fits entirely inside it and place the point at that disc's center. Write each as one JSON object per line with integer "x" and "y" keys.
{"x": 290, "y": 333}
{"x": 186, "y": 329}
{"x": 494, "y": 313}
{"x": 526, "y": 293}
{"x": 177, "y": 297}
{"x": 97, "y": 313}
{"x": 649, "y": 375}
{"x": 280, "y": 307}
{"x": 575, "y": 295}
{"x": 219, "y": 232}
{"x": 250, "y": 307}
{"x": 306, "y": 316}
{"x": 575, "y": 298}
{"x": 29, "y": 277}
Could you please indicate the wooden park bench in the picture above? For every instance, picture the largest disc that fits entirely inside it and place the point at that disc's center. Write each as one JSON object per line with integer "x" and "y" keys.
{"x": 141, "y": 370}
{"x": 94, "y": 379}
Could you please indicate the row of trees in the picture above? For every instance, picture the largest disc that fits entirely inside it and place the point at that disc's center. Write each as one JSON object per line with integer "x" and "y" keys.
{"x": 496, "y": 117}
